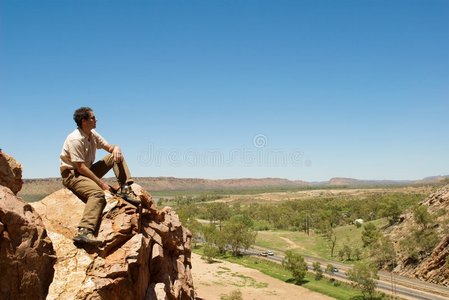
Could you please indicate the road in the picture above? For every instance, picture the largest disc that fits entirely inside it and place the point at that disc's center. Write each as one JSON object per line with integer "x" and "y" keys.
{"x": 388, "y": 283}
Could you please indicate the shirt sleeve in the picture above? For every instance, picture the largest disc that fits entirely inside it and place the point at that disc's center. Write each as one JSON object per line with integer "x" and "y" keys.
{"x": 76, "y": 151}
{"x": 100, "y": 141}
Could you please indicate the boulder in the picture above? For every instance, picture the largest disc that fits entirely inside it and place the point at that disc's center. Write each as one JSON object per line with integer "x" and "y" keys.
{"x": 10, "y": 173}
{"x": 145, "y": 254}
{"x": 26, "y": 252}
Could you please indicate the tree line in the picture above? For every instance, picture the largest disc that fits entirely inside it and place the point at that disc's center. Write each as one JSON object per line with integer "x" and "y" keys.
{"x": 317, "y": 213}
{"x": 232, "y": 227}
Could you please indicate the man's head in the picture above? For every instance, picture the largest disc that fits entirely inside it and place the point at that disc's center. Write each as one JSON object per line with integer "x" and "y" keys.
{"x": 84, "y": 114}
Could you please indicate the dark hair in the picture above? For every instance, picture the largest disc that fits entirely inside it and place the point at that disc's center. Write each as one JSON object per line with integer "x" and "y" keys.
{"x": 80, "y": 114}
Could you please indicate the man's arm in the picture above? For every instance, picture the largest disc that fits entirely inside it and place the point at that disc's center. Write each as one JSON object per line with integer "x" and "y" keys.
{"x": 116, "y": 152}
{"x": 84, "y": 170}
{"x": 103, "y": 144}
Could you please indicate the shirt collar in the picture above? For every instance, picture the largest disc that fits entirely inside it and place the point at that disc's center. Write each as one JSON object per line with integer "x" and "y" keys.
{"x": 83, "y": 134}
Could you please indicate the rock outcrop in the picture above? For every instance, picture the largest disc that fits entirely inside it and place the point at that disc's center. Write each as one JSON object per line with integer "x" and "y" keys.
{"x": 146, "y": 252}
{"x": 10, "y": 173}
{"x": 26, "y": 252}
{"x": 434, "y": 267}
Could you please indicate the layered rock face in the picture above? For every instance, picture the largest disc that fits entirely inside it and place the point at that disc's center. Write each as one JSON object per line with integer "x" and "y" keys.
{"x": 434, "y": 267}
{"x": 26, "y": 252}
{"x": 10, "y": 173}
{"x": 145, "y": 255}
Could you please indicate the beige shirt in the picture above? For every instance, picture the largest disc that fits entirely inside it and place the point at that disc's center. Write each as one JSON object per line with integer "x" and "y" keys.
{"x": 78, "y": 147}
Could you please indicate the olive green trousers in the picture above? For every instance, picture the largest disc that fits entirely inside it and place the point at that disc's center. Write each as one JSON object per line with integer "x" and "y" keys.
{"x": 90, "y": 193}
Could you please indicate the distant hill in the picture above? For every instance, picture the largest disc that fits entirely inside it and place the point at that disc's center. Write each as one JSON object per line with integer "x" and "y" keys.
{"x": 172, "y": 183}
{"x": 45, "y": 186}
{"x": 341, "y": 181}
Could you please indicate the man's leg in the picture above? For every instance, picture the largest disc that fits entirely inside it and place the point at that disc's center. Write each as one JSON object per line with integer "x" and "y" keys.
{"x": 121, "y": 171}
{"x": 122, "y": 174}
{"x": 89, "y": 192}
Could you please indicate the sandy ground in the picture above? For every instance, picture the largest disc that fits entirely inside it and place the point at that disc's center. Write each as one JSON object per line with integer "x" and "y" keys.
{"x": 211, "y": 281}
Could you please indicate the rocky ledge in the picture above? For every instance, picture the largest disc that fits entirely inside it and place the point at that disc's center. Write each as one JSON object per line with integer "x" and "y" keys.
{"x": 146, "y": 252}
{"x": 26, "y": 252}
{"x": 10, "y": 173}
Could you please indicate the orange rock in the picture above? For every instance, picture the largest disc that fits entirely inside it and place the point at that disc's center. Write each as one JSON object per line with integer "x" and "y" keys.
{"x": 26, "y": 252}
{"x": 10, "y": 173}
{"x": 143, "y": 256}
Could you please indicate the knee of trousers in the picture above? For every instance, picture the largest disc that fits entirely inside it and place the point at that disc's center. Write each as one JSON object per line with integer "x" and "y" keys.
{"x": 98, "y": 197}
{"x": 109, "y": 158}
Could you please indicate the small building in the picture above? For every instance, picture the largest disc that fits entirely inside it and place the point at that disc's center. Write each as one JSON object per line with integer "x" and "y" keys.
{"x": 358, "y": 222}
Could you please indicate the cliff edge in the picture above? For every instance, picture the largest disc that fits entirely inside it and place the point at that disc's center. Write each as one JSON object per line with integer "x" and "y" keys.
{"x": 145, "y": 255}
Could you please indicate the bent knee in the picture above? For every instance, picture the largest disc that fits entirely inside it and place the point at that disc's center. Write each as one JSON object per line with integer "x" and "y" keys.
{"x": 99, "y": 197}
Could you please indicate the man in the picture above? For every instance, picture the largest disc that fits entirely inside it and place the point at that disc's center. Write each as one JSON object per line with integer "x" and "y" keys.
{"x": 83, "y": 177}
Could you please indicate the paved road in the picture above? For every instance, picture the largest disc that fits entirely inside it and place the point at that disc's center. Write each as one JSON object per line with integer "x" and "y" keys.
{"x": 391, "y": 284}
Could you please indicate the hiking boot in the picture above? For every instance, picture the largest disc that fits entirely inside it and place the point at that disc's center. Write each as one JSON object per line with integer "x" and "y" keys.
{"x": 86, "y": 236}
{"x": 128, "y": 195}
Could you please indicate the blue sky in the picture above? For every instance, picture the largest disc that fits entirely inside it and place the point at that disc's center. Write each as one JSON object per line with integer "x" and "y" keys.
{"x": 226, "y": 89}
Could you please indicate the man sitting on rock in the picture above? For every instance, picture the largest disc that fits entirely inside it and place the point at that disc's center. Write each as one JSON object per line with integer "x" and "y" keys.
{"x": 83, "y": 177}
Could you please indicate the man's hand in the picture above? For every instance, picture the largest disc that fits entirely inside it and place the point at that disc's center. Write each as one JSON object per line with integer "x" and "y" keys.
{"x": 104, "y": 186}
{"x": 117, "y": 154}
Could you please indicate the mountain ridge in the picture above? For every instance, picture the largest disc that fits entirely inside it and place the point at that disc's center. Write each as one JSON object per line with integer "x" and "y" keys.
{"x": 45, "y": 186}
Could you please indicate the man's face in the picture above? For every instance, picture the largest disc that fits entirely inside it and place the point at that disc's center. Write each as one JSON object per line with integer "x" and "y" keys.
{"x": 91, "y": 122}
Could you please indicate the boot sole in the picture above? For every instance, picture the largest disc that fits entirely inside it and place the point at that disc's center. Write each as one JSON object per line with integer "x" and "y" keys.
{"x": 133, "y": 202}
{"x": 85, "y": 241}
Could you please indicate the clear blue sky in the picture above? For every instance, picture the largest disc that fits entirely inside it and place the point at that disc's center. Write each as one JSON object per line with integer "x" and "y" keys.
{"x": 227, "y": 89}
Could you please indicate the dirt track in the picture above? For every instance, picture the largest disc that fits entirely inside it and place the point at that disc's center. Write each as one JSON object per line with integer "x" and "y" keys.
{"x": 214, "y": 280}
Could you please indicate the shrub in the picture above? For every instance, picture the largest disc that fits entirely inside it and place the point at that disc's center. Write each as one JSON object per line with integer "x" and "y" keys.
{"x": 210, "y": 252}
{"x": 295, "y": 263}
{"x": 234, "y": 295}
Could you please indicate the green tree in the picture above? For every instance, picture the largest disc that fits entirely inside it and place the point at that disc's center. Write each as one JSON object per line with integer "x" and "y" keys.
{"x": 341, "y": 254}
{"x": 422, "y": 216}
{"x": 215, "y": 237}
{"x": 210, "y": 252}
{"x": 295, "y": 263}
{"x": 428, "y": 240}
{"x": 218, "y": 212}
{"x": 187, "y": 214}
{"x": 187, "y": 211}
{"x": 330, "y": 269}
{"x": 331, "y": 237}
{"x": 357, "y": 253}
{"x": 196, "y": 229}
{"x": 346, "y": 250}
{"x": 238, "y": 233}
{"x": 318, "y": 270}
{"x": 393, "y": 211}
{"x": 370, "y": 234}
{"x": 364, "y": 277}
{"x": 383, "y": 253}
{"x": 334, "y": 214}
{"x": 423, "y": 239}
